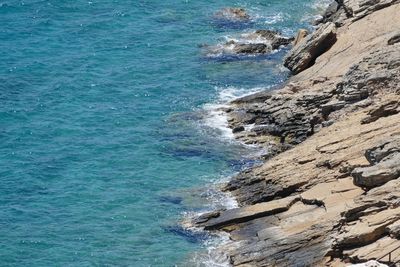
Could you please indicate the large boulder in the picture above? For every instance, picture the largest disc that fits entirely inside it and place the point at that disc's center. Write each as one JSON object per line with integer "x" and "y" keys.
{"x": 306, "y": 52}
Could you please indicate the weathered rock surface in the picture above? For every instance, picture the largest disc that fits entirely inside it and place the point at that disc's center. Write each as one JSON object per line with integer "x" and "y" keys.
{"x": 385, "y": 110}
{"x": 361, "y": 8}
{"x": 380, "y": 70}
{"x": 385, "y": 161}
{"x": 378, "y": 174}
{"x": 306, "y": 52}
{"x": 276, "y": 39}
{"x": 394, "y": 39}
{"x": 329, "y": 196}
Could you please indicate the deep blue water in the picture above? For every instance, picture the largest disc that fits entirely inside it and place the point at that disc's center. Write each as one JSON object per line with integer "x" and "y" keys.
{"x": 103, "y": 146}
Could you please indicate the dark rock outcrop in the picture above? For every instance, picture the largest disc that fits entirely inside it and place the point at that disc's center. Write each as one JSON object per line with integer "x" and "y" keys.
{"x": 378, "y": 71}
{"x": 254, "y": 43}
{"x": 291, "y": 118}
{"x": 275, "y": 38}
{"x": 378, "y": 153}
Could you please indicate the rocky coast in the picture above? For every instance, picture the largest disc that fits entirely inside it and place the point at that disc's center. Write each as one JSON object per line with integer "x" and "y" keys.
{"x": 328, "y": 192}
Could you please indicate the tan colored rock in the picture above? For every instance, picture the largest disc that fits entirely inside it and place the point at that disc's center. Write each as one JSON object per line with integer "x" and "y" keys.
{"x": 367, "y": 229}
{"x": 301, "y": 34}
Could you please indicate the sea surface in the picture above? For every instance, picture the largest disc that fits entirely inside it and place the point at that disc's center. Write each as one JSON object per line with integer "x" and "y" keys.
{"x": 109, "y": 137}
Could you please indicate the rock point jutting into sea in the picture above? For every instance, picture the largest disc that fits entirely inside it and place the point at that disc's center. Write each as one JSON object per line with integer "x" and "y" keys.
{"x": 328, "y": 192}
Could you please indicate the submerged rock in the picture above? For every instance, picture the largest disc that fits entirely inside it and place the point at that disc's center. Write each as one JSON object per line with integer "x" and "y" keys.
{"x": 232, "y": 14}
{"x": 239, "y": 48}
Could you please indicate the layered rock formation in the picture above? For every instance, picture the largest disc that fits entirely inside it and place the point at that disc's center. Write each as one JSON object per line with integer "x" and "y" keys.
{"x": 329, "y": 193}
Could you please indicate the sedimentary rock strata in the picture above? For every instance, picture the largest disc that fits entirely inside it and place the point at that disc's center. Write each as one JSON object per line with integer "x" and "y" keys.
{"x": 328, "y": 195}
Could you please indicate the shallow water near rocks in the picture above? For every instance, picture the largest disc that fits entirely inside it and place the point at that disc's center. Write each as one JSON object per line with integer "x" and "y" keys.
{"x": 106, "y": 136}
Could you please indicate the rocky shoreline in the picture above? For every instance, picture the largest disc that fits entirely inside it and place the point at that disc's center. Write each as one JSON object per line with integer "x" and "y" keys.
{"x": 328, "y": 192}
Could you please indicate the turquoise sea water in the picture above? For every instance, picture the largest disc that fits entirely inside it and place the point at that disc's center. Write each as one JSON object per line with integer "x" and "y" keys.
{"x": 104, "y": 145}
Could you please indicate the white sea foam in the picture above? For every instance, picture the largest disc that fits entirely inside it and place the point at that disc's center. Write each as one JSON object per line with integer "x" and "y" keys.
{"x": 218, "y": 245}
{"x": 216, "y": 117}
{"x": 227, "y": 44}
{"x": 321, "y": 5}
{"x": 318, "y": 7}
{"x": 217, "y": 252}
{"x": 272, "y": 18}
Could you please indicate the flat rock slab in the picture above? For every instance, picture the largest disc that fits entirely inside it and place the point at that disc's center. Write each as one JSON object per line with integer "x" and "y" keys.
{"x": 248, "y": 213}
{"x": 368, "y": 229}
